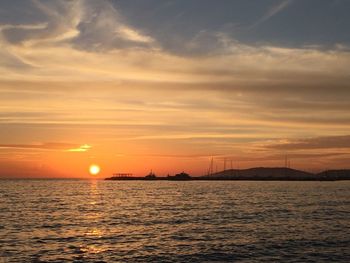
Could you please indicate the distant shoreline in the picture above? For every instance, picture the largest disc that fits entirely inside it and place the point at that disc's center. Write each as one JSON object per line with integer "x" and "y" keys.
{"x": 220, "y": 179}
{"x": 251, "y": 174}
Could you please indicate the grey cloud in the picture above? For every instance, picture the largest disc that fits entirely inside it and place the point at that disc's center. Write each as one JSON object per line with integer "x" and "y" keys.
{"x": 57, "y": 19}
{"x": 329, "y": 142}
{"x": 102, "y": 27}
{"x": 280, "y": 157}
{"x": 19, "y": 12}
{"x": 290, "y": 116}
{"x": 87, "y": 24}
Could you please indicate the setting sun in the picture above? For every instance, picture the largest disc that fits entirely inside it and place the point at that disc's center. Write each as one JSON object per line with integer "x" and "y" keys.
{"x": 94, "y": 169}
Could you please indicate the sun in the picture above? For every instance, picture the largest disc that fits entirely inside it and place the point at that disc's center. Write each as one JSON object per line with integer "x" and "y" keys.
{"x": 94, "y": 169}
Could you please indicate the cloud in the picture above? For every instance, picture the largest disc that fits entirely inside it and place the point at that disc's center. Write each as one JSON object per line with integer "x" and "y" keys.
{"x": 8, "y": 59}
{"x": 102, "y": 27}
{"x": 131, "y": 34}
{"x": 61, "y": 18}
{"x": 92, "y": 25}
{"x": 326, "y": 142}
{"x": 274, "y": 10}
{"x": 277, "y": 157}
{"x": 48, "y": 146}
{"x": 91, "y": 40}
{"x": 82, "y": 148}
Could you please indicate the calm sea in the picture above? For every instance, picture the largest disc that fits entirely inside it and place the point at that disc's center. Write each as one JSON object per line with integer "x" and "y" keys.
{"x": 161, "y": 221}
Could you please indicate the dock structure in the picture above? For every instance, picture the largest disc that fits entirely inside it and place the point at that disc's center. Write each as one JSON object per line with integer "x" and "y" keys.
{"x": 122, "y": 175}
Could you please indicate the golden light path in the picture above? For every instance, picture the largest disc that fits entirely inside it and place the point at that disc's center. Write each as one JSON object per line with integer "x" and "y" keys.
{"x": 94, "y": 169}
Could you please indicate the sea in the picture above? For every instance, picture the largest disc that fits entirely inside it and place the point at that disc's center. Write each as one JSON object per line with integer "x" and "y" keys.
{"x": 174, "y": 221}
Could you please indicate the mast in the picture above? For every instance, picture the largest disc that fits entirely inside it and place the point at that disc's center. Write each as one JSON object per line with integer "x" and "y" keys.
{"x": 211, "y": 167}
{"x": 285, "y": 161}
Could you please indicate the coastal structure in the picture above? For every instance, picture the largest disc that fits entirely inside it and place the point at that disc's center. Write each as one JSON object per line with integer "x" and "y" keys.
{"x": 180, "y": 177}
{"x": 252, "y": 174}
{"x": 151, "y": 176}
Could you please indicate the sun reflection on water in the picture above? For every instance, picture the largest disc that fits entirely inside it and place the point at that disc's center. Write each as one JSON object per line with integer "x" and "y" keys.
{"x": 92, "y": 249}
{"x": 94, "y": 215}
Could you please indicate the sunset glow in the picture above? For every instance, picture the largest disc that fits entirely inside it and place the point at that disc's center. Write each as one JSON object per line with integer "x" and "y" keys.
{"x": 169, "y": 85}
{"x": 174, "y": 130}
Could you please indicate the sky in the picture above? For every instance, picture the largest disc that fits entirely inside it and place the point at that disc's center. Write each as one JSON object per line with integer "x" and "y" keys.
{"x": 167, "y": 85}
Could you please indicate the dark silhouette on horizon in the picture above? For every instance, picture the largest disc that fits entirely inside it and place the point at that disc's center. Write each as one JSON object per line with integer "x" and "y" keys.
{"x": 179, "y": 177}
{"x": 254, "y": 174}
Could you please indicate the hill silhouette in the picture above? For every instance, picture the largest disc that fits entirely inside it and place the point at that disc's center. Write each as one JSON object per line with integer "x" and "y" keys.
{"x": 264, "y": 173}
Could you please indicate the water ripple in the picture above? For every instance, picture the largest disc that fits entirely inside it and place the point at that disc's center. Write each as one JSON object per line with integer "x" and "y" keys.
{"x": 110, "y": 221}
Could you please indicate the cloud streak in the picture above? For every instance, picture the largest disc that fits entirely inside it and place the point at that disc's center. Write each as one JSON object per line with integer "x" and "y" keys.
{"x": 274, "y": 10}
{"x": 48, "y": 146}
{"x": 327, "y": 142}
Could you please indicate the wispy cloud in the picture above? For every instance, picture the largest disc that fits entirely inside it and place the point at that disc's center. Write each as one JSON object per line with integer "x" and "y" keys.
{"x": 272, "y": 11}
{"x": 48, "y": 146}
{"x": 326, "y": 142}
{"x": 93, "y": 25}
{"x": 82, "y": 148}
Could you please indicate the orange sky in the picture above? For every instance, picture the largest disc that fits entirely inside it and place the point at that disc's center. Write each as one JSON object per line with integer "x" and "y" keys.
{"x": 130, "y": 104}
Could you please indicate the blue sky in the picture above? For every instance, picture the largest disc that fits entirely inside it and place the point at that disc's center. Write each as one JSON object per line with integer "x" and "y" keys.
{"x": 293, "y": 23}
{"x": 288, "y": 23}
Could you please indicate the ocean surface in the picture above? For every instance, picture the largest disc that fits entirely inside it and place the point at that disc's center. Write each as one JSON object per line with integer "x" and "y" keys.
{"x": 163, "y": 221}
